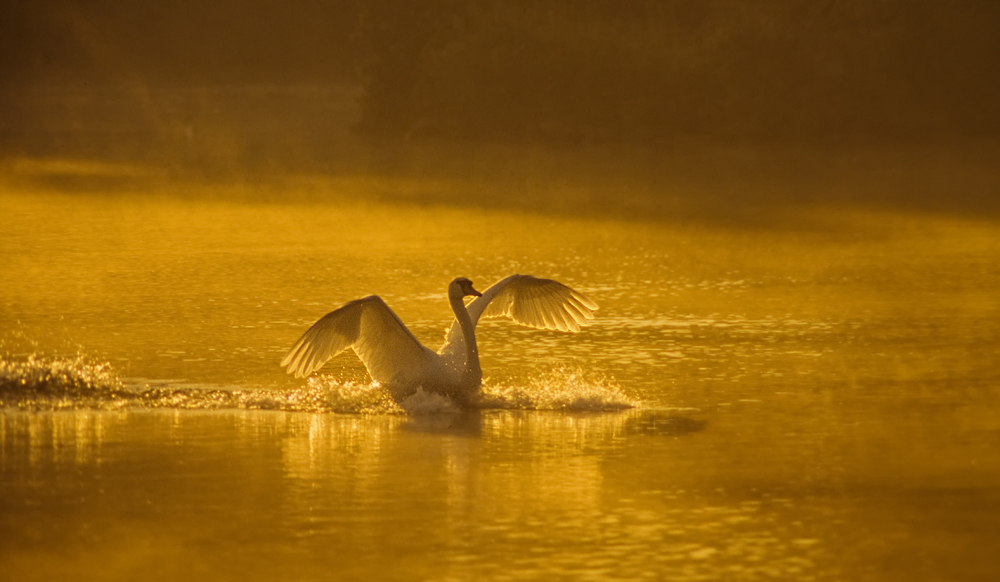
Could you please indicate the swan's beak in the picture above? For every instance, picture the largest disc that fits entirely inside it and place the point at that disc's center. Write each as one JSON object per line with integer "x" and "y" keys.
{"x": 471, "y": 291}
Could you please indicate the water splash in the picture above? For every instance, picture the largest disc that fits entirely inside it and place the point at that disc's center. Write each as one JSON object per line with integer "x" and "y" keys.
{"x": 570, "y": 390}
{"x": 41, "y": 382}
{"x": 422, "y": 403}
{"x": 54, "y": 383}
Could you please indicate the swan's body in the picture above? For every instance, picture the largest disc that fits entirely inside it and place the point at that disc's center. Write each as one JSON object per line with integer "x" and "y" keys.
{"x": 397, "y": 360}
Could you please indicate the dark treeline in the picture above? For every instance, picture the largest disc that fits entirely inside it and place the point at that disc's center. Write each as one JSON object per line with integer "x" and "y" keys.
{"x": 541, "y": 71}
{"x": 649, "y": 70}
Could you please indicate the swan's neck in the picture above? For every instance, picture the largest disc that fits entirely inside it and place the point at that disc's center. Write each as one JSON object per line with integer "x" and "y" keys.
{"x": 473, "y": 373}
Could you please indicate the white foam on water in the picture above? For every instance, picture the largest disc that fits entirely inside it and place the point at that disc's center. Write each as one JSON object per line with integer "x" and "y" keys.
{"x": 421, "y": 402}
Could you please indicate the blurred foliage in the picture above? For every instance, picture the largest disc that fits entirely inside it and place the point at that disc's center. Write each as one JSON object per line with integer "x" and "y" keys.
{"x": 648, "y": 70}
{"x": 260, "y": 80}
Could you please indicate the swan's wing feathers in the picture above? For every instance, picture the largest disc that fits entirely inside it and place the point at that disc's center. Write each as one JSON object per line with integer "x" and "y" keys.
{"x": 539, "y": 303}
{"x": 329, "y": 336}
{"x": 377, "y": 335}
{"x": 392, "y": 354}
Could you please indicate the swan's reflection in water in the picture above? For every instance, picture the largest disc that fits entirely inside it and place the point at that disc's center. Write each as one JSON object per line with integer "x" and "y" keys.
{"x": 519, "y": 487}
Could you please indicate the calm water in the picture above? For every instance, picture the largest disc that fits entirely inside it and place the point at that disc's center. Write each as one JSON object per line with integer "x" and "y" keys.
{"x": 814, "y": 400}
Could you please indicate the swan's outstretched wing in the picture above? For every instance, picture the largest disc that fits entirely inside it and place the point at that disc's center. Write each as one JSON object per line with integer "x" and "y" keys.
{"x": 390, "y": 352}
{"x": 539, "y": 303}
{"x": 527, "y": 300}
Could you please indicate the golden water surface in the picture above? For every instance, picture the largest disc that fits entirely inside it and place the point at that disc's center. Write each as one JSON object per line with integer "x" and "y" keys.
{"x": 816, "y": 398}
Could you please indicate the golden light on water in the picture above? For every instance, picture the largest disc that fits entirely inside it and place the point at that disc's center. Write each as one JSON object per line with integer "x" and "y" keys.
{"x": 787, "y": 213}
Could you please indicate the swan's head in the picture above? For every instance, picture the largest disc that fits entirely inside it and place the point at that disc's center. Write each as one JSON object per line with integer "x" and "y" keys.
{"x": 464, "y": 287}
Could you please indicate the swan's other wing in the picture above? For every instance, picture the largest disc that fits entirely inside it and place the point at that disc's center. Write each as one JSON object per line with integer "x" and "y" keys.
{"x": 390, "y": 352}
{"x": 539, "y": 303}
{"x": 527, "y": 300}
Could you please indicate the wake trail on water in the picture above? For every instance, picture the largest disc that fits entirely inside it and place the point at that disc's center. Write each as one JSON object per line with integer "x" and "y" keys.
{"x": 78, "y": 383}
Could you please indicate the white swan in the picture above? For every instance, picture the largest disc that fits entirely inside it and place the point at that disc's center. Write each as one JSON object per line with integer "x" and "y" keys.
{"x": 397, "y": 360}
